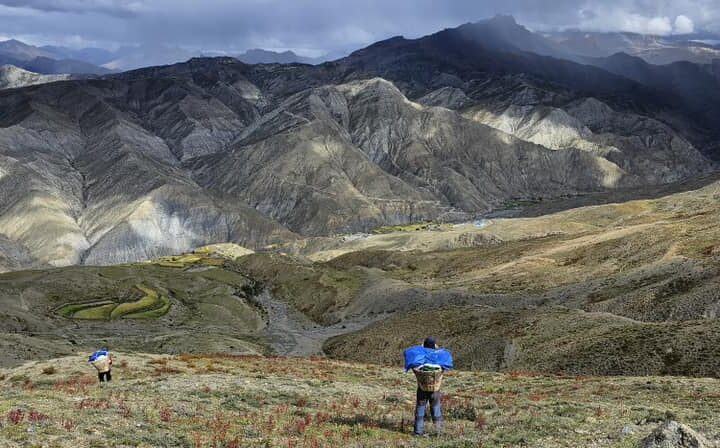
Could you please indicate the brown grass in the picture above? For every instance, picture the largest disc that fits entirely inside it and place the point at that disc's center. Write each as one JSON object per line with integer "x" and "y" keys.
{"x": 281, "y": 402}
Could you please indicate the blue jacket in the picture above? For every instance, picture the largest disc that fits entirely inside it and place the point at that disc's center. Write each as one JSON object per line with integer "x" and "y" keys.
{"x": 419, "y": 355}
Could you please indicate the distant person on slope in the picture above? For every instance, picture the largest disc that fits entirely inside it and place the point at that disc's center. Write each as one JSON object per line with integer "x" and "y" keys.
{"x": 428, "y": 362}
{"x": 102, "y": 361}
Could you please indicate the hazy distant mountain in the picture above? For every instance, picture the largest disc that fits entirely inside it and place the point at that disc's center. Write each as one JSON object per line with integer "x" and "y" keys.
{"x": 97, "y": 61}
{"x": 51, "y": 66}
{"x": 62, "y": 66}
{"x": 50, "y": 59}
{"x": 58, "y": 59}
{"x": 42, "y": 60}
{"x": 21, "y": 51}
{"x": 260, "y": 56}
{"x": 132, "y": 57}
{"x": 696, "y": 48}
{"x": 96, "y": 56}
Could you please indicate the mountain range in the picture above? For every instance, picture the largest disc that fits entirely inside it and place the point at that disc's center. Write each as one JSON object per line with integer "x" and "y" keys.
{"x": 260, "y": 56}
{"x": 44, "y": 61}
{"x": 445, "y": 127}
{"x": 51, "y": 59}
{"x": 500, "y": 33}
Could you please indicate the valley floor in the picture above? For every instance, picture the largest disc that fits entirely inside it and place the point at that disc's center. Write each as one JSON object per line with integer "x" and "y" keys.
{"x": 247, "y": 401}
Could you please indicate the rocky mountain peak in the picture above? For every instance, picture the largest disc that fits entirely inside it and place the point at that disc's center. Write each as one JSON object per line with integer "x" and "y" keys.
{"x": 503, "y": 19}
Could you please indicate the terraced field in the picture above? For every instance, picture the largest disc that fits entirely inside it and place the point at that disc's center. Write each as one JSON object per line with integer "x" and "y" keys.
{"x": 150, "y": 305}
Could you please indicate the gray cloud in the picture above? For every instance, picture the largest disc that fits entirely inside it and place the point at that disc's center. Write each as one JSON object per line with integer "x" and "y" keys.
{"x": 119, "y": 8}
{"x": 322, "y": 25}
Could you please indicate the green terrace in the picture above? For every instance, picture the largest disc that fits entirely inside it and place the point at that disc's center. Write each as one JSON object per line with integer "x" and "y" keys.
{"x": 151, "y": 305}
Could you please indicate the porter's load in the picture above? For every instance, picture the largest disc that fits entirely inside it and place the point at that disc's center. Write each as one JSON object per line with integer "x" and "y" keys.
{"x": 428, "y": 362}
{"x": 429, "y": 377}
{"x": 101, "y": 360}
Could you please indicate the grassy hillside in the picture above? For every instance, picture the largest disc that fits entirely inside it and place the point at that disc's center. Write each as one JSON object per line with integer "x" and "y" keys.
{"x": 193, "y": 305}
{"x": 249, "y": 401}
{"x": 650, "y": 260}
{"x": 316, "y": 289}
{"x": 637, "y": 282}
{"x": 552, "y": 340}
{"x": 627, "y": 288}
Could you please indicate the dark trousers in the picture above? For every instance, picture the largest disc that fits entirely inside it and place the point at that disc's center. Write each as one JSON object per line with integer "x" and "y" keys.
{"x": 105, "y": 376}
{"x": 423, "y": 399}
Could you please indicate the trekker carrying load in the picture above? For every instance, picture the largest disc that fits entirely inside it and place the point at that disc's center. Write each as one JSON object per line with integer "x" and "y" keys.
{"x": 428, "y": 362}
{"x": 102, "y": 361}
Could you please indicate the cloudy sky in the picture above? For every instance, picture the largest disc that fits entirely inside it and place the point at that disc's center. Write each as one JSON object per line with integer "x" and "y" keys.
{"x": 315, "y": 27}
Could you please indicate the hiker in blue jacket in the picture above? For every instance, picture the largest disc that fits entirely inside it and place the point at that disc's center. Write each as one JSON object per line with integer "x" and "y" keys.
{"x": 102, "y": 361}
{"x": 428, "y": 362}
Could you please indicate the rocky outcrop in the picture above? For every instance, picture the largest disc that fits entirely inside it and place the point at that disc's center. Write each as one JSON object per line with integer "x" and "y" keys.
{"x": 13, "y": 256}
{"x": 12, "y": 77}
{"x": 672, "y": 434}
{"x": 448, "y": 97}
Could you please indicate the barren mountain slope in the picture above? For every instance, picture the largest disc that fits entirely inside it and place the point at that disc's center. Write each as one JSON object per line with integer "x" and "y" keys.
{"x": 643, "y": 148}
{"x": 360, "y": 155}
{"x": 83, "y": 181}
{"x": 645, "y": 273}
{"x": 160, "y": 160}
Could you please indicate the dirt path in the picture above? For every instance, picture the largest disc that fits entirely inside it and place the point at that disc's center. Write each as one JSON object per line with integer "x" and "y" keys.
{"x": 293, "y": 334}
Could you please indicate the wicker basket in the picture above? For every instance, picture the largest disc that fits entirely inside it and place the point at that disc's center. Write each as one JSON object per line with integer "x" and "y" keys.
{"x": 429, "y": 380}
{"x": 102, "y": 364}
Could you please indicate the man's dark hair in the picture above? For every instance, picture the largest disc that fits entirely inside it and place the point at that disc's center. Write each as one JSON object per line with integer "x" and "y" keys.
{"x": 429, "y": 342}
